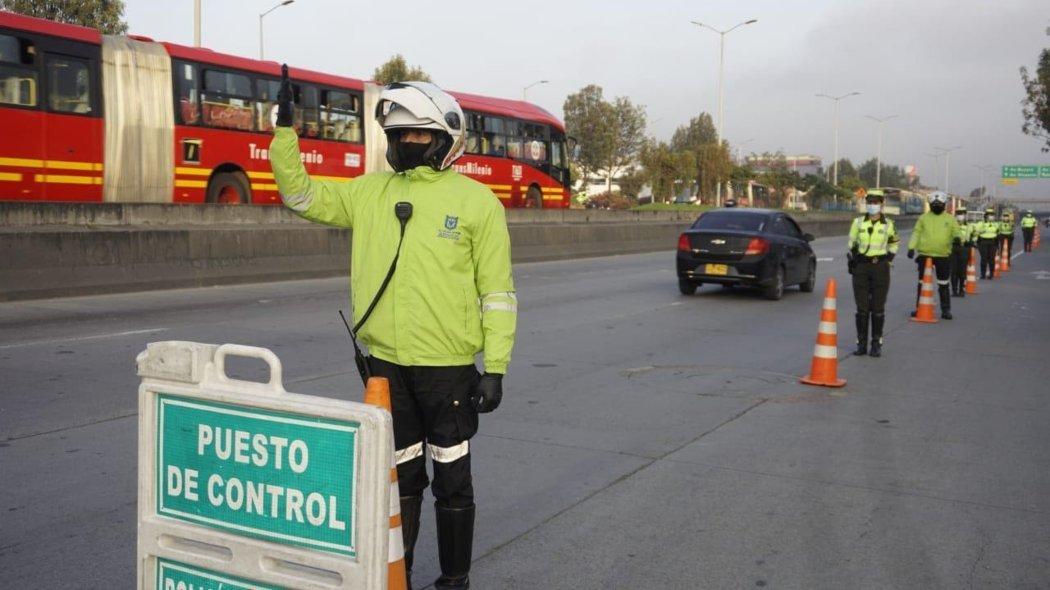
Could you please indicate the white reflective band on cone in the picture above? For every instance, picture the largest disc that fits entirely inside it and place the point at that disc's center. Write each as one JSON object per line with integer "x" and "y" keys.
{"x": 408, "y": 453}
{"x": 449, "y": 454}
{"x": 926, "y": 300}
{"x": 828, "y": 328}
{"x": 829, "y": 303}
{"x": 825, "y": 352}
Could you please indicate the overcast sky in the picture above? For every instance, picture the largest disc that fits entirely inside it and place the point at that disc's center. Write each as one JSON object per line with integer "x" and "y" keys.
{"x": 947, "y": 68}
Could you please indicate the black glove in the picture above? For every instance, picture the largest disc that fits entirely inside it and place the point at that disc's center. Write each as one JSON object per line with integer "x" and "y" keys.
{"x": 957, "y": 243}
{"x": 911, "y": 253}
{"x": 285, "y": 99}
{"x": 890, "y": 256}
{"x": 488, "y": 393}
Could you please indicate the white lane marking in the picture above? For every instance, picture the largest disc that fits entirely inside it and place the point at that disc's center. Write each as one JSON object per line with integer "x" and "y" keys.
{"x": 1016, "y": 255}
{"x": 1042, "y": 275}
{"x": 83, "y": 338}
{"x": 825, "y": 260}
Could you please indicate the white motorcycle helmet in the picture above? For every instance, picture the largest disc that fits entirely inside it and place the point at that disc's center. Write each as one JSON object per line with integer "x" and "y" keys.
{"x": 938, "y": 197}
{"x": 422, "y": 105}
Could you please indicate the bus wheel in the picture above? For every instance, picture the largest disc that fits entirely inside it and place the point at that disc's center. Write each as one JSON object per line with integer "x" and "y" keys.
{"x": 534, "y": 198}
{"x": 228, "y": 188}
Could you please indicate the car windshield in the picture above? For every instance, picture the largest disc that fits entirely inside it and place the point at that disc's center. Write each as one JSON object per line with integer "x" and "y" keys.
{"x": 730, "y": 221}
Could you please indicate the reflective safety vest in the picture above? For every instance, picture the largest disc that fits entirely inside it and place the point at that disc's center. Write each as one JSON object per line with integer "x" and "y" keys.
{"x": 988, "y": 230}
{"x": 1028, "y": 221}
{"x": 873, "y": 238}
{"x": 1006, "y": 228}
{"x": 967, "y": 232}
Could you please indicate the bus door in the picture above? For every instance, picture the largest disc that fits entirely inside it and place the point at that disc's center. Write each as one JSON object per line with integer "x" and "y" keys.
{"x": 22, "y": 140}
{"x": 73, "y": 126}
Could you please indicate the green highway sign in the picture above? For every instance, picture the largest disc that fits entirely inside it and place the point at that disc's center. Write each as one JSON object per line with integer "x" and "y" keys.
{"x": 1022, "y": 171}
{"x": 172, "y": 575}
{"x": 276, "y": 476}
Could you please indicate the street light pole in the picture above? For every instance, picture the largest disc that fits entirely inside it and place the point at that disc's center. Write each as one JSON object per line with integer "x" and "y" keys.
{"x": 721, "y": 85}
{"x": 526, "y": 89}
{"x": 947, "y": 161}
{"x": 261, "y": 15}
{"x": 196, "y": 23}
{"x": 836, "y": 99}
{"x": 878, "y": 151}
{"x": 982, "y": 168}
{"x": 936, "y": 161}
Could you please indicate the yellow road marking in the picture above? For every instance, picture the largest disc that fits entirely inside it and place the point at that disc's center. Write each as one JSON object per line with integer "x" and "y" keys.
{"x": 11, "y": 176}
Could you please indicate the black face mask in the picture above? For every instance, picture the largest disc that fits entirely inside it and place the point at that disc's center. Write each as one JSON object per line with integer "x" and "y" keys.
{"x": 937, "y": 208}
{"x": 410, "y": 155}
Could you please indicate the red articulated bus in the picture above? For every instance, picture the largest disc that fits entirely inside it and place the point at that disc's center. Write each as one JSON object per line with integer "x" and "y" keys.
{"x": 108, "y": 118}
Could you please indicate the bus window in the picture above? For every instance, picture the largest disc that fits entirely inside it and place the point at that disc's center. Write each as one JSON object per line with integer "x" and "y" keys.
{"x": 266, "y": 93}
{"x": 189, "y": 108}
{"x": 535, "y": 149}
{"x": 306, "y": 111}
{"x": 474, "y": 128}
{"x": 226, "y": 101}
{"x": 493, "y": 142}
{"x": 513, "y": 131}
{"x": 340, "y": 116}
{"x": 18, "y": 81}
{"x": 69, "y": 85}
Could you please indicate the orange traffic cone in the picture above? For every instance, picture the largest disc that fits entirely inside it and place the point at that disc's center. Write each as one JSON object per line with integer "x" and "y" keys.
{"x": 924, "y": 310}
{"x": 971, "y": 274}
{"x": 377, "y": 393}
{"x": 1035, "y": 238}
{"x": 1006, "y": 257}
{"x": 824, "y": 369}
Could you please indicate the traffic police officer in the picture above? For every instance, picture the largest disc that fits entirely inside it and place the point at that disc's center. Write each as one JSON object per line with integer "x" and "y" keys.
{"x": 933, "y": 237}
{"x": 451, "y": 297}
{"x": 1028, "y": 223}
{"x": 873, "y": 242}
{"x": 1006, "y": 233}
{"x": 961, "y": 252}
{"x": 987, "y": 242}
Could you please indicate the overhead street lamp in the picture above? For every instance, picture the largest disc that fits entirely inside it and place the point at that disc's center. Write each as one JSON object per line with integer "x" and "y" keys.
{"x": 983, "y": 168}
{"x": 721, "y": 86}
{"x": 741, "y": 145}
{"x": 947, "y": 162}
{"x": 878, "y": 150}
{"x": 836, "y": 99}
{"x": 261, "y": 15}
{"x": 526, "y": 89}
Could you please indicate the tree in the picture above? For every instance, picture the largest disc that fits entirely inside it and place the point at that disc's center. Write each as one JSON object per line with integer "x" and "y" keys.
{"x": 396, "y": 69}
{"x": 1036, "y": 104}
{"x": 664, "y": 168}
{"x": 891, "y": 175}
{"x": 779, "y": 178}
{"x": 105, "y": 15}
{"x": 610, "y": 135}
{"x": 713, "y": 164}
{"x": 845, "y": 168}
{"x": 700, "y": 131}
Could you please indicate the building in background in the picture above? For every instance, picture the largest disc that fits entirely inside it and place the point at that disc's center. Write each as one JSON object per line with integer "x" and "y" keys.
{"x": 804, "y": 164}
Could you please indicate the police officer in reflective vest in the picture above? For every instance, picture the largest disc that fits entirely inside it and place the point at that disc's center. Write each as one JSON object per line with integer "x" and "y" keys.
{"x": 987, "y": 242}
{"x": 451, "y": 296}
{"x": 873, "y": 242}
{"x": 1006, "y": 233}
{"x": 961, "y": 252}
{"x": 933, "y": 237}
{"x": 1028, "y": 223}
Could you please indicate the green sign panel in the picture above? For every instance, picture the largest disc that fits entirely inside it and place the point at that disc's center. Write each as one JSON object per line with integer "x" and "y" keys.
{"x": 172, "y": 575}
{"x": 276, "y": 476}
{"x": 1026, "y": 172}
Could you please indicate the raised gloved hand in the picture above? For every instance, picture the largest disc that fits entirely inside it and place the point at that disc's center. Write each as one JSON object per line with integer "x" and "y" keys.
{"x": 488, "y": 393}
{"x": 911, "y": 253}
{"x": 285, "y": 100}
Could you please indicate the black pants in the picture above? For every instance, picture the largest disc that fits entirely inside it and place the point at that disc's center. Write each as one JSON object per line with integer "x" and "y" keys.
{"x": 871, "y": 283}
{"x": 943, "y": 272}
{"x": 1029, "y": 233}
{"x": 432, "y": 410}
{"x": 987, "y": 246}
{"x": 960, "y": 258}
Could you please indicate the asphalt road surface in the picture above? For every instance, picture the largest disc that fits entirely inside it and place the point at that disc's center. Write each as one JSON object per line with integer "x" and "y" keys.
{"x": 646, "y": 439}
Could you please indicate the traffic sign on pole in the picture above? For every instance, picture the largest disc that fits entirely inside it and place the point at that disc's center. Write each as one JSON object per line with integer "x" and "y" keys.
{"x": 242, "y": 484}
{"x": 1022, "y": 171}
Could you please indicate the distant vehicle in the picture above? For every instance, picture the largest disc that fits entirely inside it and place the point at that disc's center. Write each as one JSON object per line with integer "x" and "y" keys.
{"x": 751, "y": 247}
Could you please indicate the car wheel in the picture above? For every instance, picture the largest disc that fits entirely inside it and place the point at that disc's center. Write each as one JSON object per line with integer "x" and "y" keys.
{"x": 775, "y": 290}
{"x": 687, "y": 287}
{"x": 811, "y": 279}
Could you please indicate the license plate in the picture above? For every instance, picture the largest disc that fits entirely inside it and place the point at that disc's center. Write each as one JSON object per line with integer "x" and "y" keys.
{"x": 716, "y": 269}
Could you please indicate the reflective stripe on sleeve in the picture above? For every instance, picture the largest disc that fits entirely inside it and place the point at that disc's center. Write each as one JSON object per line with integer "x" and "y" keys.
{"x": 408, "y": 453}
{"x": 511, "y": 307}
{"x": 449, "y": 454}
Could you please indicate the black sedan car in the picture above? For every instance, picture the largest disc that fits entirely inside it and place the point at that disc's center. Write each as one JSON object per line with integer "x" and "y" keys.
{"x": 751, "y": 247}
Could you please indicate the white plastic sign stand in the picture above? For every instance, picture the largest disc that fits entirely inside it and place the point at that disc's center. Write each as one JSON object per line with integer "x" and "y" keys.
{"x": 244, "y": 485}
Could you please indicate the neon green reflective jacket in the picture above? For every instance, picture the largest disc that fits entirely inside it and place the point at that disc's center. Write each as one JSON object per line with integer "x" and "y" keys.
{"x": 967, "y": 232}
{"x": 933, "y": 234}
{"x": 1028, "y": 222}
{"x": 1006, "y": 228}
{"x": 873, "y": 238}
{"x": 988, "y": 230}
{"x": 452, "y": 295}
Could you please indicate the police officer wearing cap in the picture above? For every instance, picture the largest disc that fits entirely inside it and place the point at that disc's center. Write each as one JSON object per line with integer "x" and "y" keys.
{"x": 961, "y": 252}
{"x": 1028, "y": 223}
{"x": 1007, "y": 229}
{"x": 451, "y": 296}
{"x": 873, "y": 242}
{"x": 933, "y": 237}
{"x": 987, "y": 242}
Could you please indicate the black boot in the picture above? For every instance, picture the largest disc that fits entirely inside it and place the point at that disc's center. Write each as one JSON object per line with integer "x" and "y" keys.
{"x": 455, "y": 528}
{"x": 878, "y": 320}
{"x": 862, "y": 333}
{"x": 410, "y": 508}
{"x": 946, "y": 302}
{"x": 918, "y": 295}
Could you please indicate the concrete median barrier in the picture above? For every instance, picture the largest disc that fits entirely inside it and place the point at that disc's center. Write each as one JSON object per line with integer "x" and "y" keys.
{"x": 57, "y": 250}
